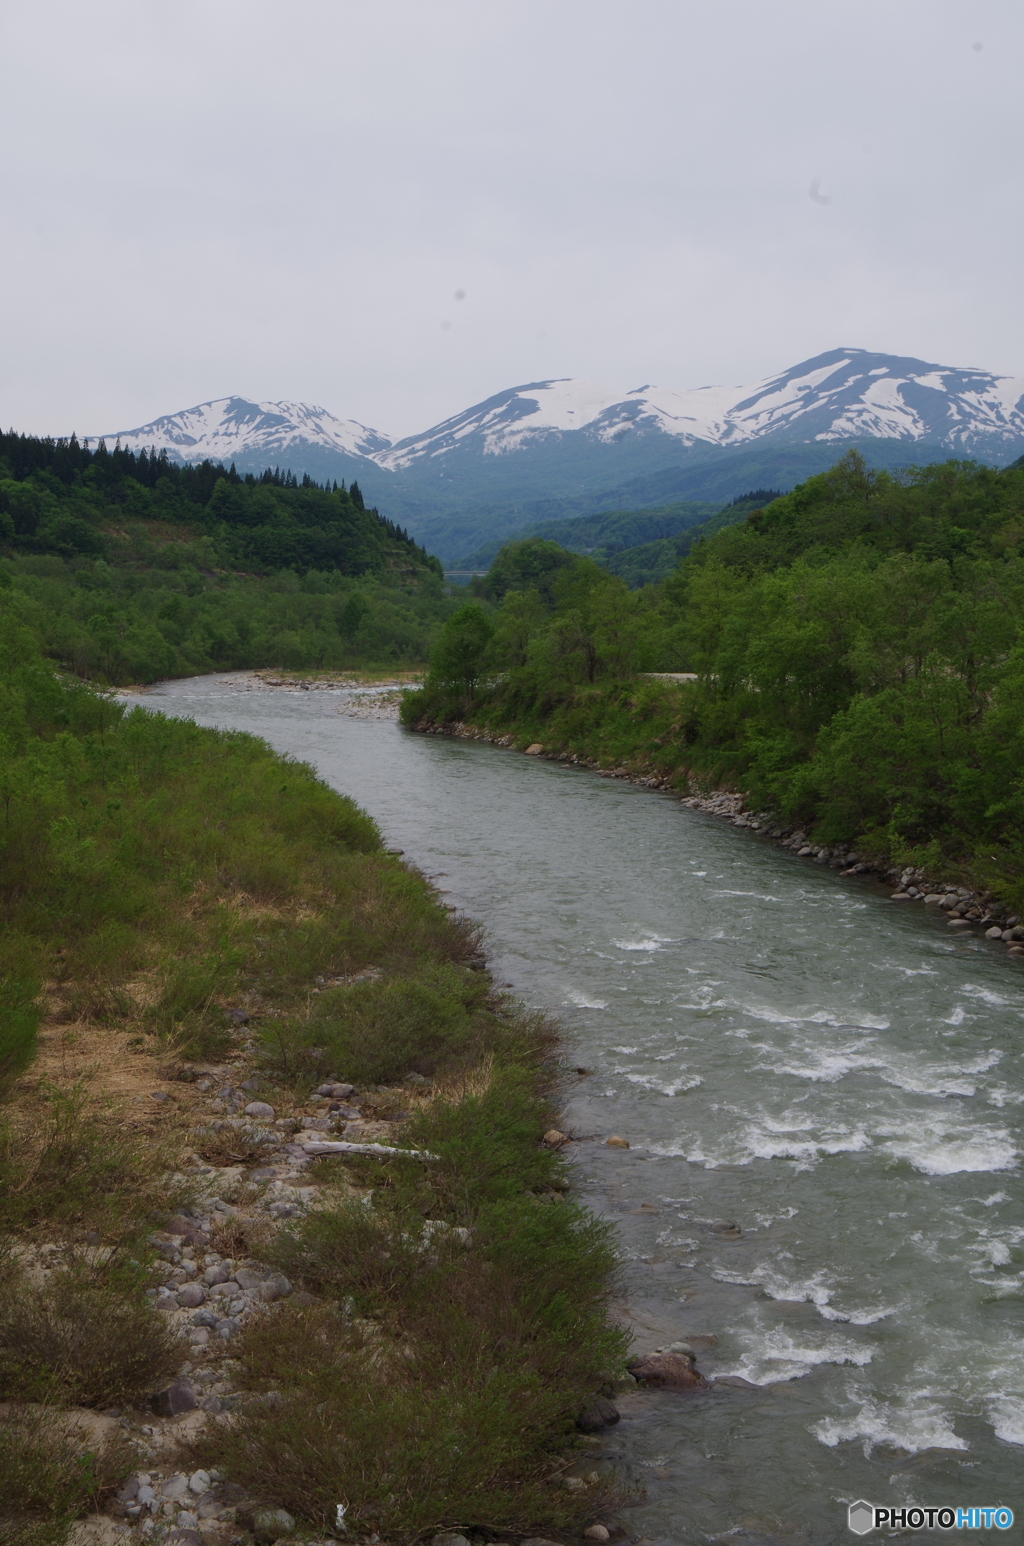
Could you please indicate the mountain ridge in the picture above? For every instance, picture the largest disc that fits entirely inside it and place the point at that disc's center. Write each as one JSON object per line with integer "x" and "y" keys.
{"x": 485, "y": 471}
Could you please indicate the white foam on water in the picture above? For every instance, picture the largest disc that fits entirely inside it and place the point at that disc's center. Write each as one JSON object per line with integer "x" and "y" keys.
{"x": 1006, "y": 1414}
{"x": 924, "y": 1426}
{"x": 776, "y": 1357}
{"x": 956, "y": 1018}
{"x": 581, "y": 1000}
{"x": 672, "y": 1087}
{"x": 938, "y": 1148}
{"x": 827, "y": 1017}
{"x": 780, "y": 1145}
{"x": 823, "y": 1066}
{"x": 639, "y": 944}
{"x": 975, "y": 990}
{"x": 757, "y": 895}
{"x": 624, "y": 1049}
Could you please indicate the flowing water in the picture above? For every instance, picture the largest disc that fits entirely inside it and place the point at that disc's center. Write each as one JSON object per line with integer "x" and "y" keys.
{"x": 784, "y": 1049}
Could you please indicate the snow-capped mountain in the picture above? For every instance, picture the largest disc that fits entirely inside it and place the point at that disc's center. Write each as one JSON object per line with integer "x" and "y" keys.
{"x": 843, "y": 395}
{"x": 235, "y": 429}
{"x": 552, "y": 449}
{"x": 847, "y": 394}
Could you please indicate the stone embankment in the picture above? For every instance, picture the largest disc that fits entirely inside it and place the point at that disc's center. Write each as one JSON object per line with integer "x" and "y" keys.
{"x": 967, "y": 910}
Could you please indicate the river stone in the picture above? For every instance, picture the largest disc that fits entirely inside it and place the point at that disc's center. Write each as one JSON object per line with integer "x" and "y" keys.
{"x": 534, "y": 750}
{"x": 191, "y": 1296}
{"x": 175, "y": 1398}
{"x": 218, "y": 1273}
{"x": 275, "y": 1287}
{"x": 247, "y": 1279}
{"x": 596, "y": 1533}
{"x": 958, "y": 923}
{"x": 667, "y": 1371}
{"x": 183, "y": 1538}
{"x": 615, "y": 1142}
{"x": 270, "y": 1524}
{"x": 900, "y": 896}
{"x": 554, "y": 1139}
{"x": 452, "y": 1538}
{"x": 596, "y": 1415}
{"x": 199, "y": 1482}
{"x": 726, "y": 1227}
{"x": 261, "y": 1110}
{"x": 174, "y": 1487}
{"x": 994, "y": 933}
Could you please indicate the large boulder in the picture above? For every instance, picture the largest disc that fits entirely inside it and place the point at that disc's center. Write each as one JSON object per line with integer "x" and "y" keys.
{"x": 667, "y": 1371}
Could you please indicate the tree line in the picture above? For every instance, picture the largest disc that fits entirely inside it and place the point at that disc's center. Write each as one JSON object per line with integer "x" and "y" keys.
{"x": 858, "y": 645}
{"x": 130, "y": 567}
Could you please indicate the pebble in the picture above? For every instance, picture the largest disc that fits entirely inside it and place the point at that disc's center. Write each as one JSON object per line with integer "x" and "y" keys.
{"x": 260, "y": 1109}
{"x": 615, "y": 1142}
{"x": 596, "y": 1533}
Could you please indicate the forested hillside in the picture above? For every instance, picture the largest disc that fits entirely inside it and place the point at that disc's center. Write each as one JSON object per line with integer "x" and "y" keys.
{"x": 130, "y": 568}
{"x": 859, "y": 652}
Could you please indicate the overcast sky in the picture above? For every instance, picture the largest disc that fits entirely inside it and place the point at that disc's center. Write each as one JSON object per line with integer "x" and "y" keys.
{"x": 396, "y": 208}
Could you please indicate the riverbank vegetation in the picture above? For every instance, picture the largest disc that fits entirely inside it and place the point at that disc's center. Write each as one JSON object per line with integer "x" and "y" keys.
{"x": 858, "y": 652}
{"x": 132, "y": 568}
{"x": 183, "y": 911}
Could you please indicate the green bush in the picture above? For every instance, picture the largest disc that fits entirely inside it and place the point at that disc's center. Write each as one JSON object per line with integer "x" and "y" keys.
{"x": 49, "y": 1479}
{"x": 84, "y": 1339}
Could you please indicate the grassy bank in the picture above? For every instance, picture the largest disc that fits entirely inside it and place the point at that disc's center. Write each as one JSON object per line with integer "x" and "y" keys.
{"x": 186, "y": 913}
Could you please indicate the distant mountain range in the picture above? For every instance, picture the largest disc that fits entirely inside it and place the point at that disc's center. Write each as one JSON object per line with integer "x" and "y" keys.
{"x": 557, "y": 449}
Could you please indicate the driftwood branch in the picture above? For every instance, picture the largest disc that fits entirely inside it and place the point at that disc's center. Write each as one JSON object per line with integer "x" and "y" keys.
{"x": 367, "y": 1148}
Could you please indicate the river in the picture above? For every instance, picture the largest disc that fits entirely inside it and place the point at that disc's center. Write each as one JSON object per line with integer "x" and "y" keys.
{"x": 784, "y": 1049}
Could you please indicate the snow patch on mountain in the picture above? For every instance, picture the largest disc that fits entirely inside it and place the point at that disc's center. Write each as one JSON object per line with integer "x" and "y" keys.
{"x": 842, "y": 395}
{"x": 845, "y": 394}
{"x": 232, "y": 427}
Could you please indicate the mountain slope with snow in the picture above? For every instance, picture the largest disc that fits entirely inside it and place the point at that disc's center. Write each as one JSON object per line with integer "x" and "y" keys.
{"x": 235, "y": 429}
{"x": 843, "y": 395}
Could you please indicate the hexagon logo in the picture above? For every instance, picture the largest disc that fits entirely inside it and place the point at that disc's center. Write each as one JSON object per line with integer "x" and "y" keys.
{"x": 861, "y": 1517}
